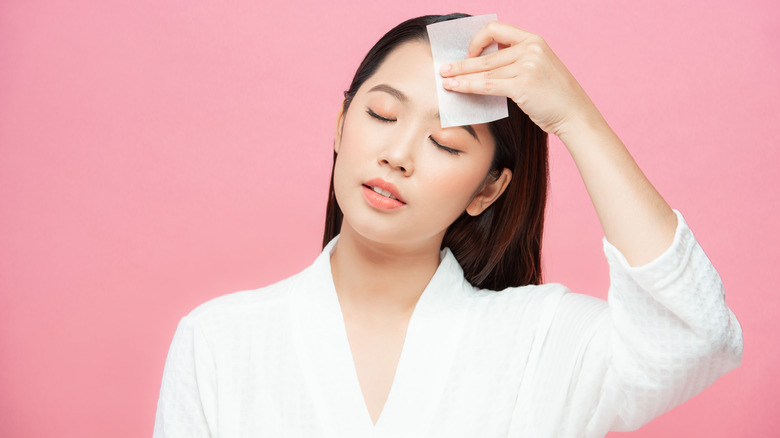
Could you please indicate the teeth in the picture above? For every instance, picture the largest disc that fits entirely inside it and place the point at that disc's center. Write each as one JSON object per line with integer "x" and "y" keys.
{"x": 384, "y": 193}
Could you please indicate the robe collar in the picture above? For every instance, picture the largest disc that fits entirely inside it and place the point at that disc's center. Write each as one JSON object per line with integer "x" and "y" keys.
{"x": 328, "y": 367}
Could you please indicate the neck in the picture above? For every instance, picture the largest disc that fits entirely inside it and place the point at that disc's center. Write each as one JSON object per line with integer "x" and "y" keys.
{"x": 379, "y": 278}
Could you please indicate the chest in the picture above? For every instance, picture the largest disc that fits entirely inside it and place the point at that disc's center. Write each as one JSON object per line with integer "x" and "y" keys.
{"x": 376, "y": 345}
{"x": 446, "y": 371}
{"x": 425, "y": 384}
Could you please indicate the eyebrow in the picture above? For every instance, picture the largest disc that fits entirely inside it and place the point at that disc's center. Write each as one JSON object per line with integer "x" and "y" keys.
{"x": 468, "y": 129}
{"x": 391, "y": 91}
{"x": 404, "y": 99}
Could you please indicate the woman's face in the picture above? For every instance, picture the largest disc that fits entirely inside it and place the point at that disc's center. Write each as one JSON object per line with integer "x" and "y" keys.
{"x": 391, "y": 141}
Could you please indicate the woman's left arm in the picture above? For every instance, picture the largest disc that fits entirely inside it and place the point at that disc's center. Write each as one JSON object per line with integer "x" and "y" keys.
{"x": 635, "y": 218}
{"x": 668, "y": 332}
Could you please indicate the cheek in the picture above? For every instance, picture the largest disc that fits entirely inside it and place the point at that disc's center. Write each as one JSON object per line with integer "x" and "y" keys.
{"x": 340, "y": 173}
{"x": 456, "y": 187}
{"x": 349, "y": 150}
{"x": 357, "y": 141}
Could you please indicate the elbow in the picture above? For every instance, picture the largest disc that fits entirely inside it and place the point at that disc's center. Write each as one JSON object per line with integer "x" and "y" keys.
{"x": 721, "y": 347}
{"x": 729, "y": 343}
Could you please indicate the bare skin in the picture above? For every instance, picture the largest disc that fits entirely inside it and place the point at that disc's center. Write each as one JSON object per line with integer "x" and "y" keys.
{"x": 380, "y": 282}
{"x": 634, "y": 217}
{"x": 377, "y": 305}
{"x": 385, "y": 258}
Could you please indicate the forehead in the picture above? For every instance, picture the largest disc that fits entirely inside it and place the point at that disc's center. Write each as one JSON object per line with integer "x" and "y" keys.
{"x": 409, "y": 69}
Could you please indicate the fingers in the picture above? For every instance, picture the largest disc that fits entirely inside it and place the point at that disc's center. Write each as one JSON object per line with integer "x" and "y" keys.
{"x": 510, "y": 72}
{"x": 501, "y": 33}
{"x": 479, "y": 84}
{"x": 483, "y": 63}
{"x": 516, "y": 39}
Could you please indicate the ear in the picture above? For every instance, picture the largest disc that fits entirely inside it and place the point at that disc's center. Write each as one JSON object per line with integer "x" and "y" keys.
{"x": 339, "y": 127}
{"x": 490, "y": 191}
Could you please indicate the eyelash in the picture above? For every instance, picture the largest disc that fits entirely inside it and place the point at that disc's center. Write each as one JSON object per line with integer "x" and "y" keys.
{"x": 445, "y": 148}
{"x": 378, "y": 117}
{"x": 438, "y": 145}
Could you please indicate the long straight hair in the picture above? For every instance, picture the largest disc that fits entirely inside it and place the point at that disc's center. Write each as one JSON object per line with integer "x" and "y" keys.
{"x": 502, "y": 246}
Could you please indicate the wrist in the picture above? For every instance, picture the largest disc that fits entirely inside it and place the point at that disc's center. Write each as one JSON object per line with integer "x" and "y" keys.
{"x": 584, "y": 127}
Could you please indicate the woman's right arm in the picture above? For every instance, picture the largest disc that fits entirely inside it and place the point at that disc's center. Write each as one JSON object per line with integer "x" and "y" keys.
{"x": 187, "y": 403}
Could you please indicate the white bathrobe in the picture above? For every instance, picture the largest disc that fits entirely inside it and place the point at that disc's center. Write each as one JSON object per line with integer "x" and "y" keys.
{"x": 534, "y": 361}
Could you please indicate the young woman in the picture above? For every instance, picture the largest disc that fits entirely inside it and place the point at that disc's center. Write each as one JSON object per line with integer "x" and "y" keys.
{"x": 397, "y": 329}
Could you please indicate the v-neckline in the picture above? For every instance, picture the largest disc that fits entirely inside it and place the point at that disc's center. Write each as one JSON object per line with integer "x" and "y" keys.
{"x": 328, "y": 364}
{"x": 350, "y": 330}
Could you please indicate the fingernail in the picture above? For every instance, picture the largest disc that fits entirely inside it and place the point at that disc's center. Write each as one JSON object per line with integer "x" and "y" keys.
{"x": 445, "y": 68}
{"x": 450, "y": 83}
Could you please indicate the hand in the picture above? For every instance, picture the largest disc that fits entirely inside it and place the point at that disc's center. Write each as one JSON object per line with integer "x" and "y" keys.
{"x": 635, "y": 218}
{"x": 525, "y": 70}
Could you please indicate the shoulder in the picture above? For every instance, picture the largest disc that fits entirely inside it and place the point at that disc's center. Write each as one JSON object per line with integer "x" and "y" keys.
{"x": 230, "y": 324}
{"x": 450, "y": 275}
{"x": 255, "y": 306}
{"x": 519, "y": 303}
{"x": 240, "y": 301}
{"x": 533, "y": 297}
{"x": 539, "y": 304}
{"x": 529, "y": 294}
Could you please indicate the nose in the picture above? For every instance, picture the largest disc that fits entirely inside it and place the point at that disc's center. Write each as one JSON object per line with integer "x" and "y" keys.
{"x": 399, "y": 153}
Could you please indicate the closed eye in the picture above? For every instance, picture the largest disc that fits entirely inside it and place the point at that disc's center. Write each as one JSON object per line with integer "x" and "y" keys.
{"x": 378, "y": 117}
{"x": 445, "y": 148}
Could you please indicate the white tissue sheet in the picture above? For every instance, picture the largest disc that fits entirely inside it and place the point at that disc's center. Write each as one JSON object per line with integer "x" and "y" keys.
{"x": 449, "y": 43}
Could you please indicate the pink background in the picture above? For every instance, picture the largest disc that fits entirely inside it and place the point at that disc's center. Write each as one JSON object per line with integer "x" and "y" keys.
{"x": 155, "y": 154}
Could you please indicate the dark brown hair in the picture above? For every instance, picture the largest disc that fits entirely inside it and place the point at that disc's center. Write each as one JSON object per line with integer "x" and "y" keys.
{"x": 501, "y": 247}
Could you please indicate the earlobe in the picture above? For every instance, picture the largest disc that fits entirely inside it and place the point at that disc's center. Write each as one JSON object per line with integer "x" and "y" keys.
{"x": 339, "y": 127}
{"x": 490, "y": 192}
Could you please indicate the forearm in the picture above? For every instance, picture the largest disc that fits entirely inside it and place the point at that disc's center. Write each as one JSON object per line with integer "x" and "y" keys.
{"x": 635, "y": 218}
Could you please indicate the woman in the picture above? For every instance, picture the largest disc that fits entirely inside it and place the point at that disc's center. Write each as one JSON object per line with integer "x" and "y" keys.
{"x": 395, "y": 330}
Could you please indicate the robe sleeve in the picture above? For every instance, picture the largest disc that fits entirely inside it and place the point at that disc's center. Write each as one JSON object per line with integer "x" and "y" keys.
{"x": 187, "y": 403}
{"x": 668, "y": 334}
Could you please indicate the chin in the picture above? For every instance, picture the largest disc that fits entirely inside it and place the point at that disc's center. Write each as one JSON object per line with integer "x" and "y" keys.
{"x": 390, "y": 234}
{"x": 374, "y": 231}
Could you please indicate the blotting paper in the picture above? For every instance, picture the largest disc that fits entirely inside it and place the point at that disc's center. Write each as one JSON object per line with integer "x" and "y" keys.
{"x": 449, "y": 43}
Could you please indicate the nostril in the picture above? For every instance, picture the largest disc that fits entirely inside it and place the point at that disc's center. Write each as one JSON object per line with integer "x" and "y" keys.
{"x": 401, "y": 164}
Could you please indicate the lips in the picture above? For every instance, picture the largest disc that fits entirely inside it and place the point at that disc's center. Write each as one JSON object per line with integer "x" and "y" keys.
{"x": 382, "y": 195}
{"x": 384, "y": 188}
